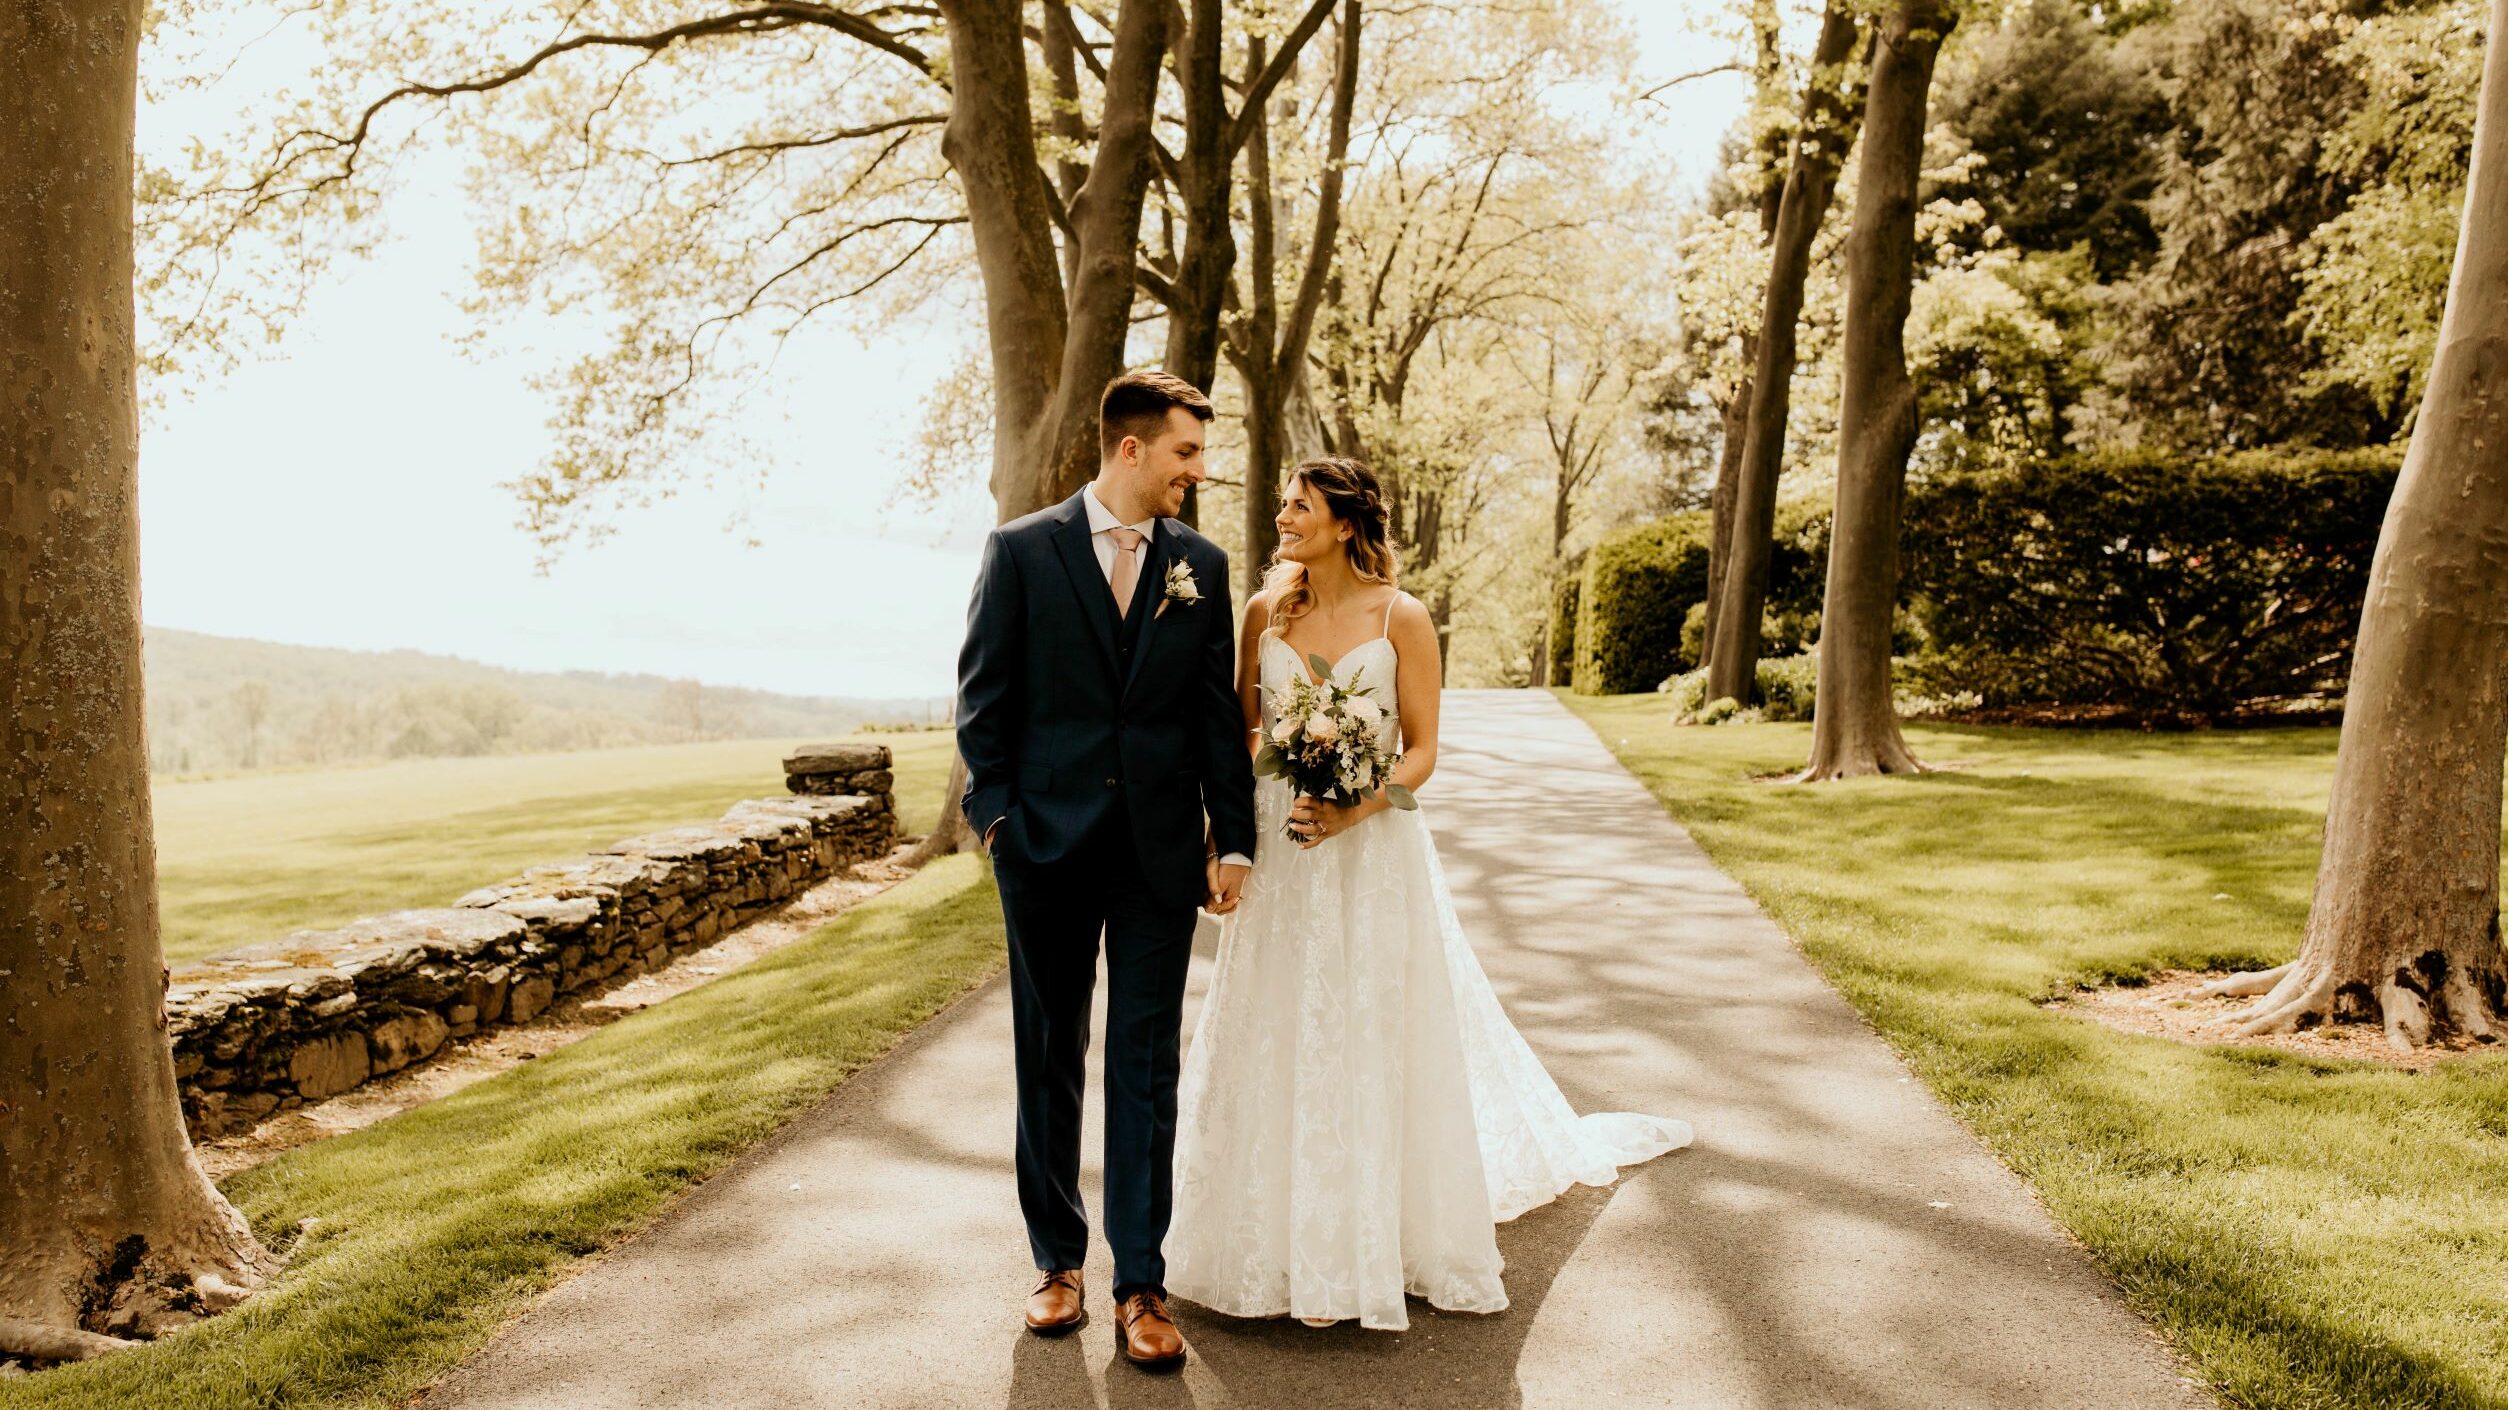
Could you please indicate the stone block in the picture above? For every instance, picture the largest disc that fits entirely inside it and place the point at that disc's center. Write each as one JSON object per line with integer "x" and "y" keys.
{"x": 398, "y": 1042}
{"x": 327, "y": 1066}
{"x": 529, "y": 998}
{"x": 847, "y": 757}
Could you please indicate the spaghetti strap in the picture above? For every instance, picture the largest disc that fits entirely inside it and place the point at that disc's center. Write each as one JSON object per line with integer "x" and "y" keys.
{"x": 1390, "y": 603}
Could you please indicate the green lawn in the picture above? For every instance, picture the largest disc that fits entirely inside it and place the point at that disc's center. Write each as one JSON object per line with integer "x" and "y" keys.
{"x": 435, "y": 1226}
{"x": 249, "y": 858}
{"x": 2309, "y": 1233}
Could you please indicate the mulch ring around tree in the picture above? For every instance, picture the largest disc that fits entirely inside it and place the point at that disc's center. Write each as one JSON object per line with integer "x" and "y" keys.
{"x": 2166, "y": 1007}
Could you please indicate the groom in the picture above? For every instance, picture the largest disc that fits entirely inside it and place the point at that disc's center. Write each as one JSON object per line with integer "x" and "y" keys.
{"x": 1098, "y": 717}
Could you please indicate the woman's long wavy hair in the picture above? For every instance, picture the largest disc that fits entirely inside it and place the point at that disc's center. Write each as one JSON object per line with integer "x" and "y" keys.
{"x": 1351, "y": 495}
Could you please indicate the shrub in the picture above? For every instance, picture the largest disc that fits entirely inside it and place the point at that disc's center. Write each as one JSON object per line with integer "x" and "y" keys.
{"x": 1639, "y": 584}
{"x": 1787, "y": 688}
{"x": 1644, "y": 596}
{"x": 2145, "y": 580}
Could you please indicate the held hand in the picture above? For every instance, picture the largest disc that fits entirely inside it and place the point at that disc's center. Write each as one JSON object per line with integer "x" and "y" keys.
{"x": 1313, "y": 819}
{"x": 1227, "y": 886}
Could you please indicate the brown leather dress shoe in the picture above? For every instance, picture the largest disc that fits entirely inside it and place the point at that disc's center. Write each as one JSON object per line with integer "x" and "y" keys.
{"x": 1056, "y": 1306}
{"x": 1147, "y": 1334}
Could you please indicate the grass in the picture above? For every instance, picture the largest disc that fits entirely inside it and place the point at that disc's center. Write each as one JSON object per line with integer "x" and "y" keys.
{"x": 248, "y": 858}
{"x": 2308, "y": 1233}
{"x": 435, "y": 1226}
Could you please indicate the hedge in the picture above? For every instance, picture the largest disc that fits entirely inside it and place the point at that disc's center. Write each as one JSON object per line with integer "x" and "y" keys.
{"x": 1639, "y": 583}
{"x": 2145, "y": 580}
{"x": 1650, "y": 581}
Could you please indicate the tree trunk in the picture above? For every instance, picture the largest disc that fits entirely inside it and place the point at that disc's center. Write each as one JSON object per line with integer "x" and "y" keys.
{"x": 1206, "y": 167}
{"x": 1819, "y": 149}
{"x": 1767, "y": 70}
{"x": 107, "y": 1224}
{"x": 2404, "y": 930}
{"x": 1720, "y": 506}
{"x": 1854, "y": 724}
{"x": 1269, "y": 351}
{"x": 1052, "y": 355}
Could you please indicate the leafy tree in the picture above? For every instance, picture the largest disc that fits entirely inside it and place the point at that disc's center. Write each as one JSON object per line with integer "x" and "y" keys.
{"x": 2374, "y": 278}
{"x": 2064, "y": 133}
{"x": 1855, "y": 725}
{"x": 1816, "y": 152}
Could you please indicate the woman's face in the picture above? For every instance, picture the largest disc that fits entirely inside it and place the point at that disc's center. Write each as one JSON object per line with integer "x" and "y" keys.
{"x": 1308, "y": 532}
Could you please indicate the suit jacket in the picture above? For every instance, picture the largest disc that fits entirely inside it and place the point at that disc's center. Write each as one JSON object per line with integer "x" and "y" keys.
{"x": 1066, "y": 708}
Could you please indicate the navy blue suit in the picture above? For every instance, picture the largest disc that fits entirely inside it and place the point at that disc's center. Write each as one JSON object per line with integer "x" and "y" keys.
{"x": 1099, "y": 743}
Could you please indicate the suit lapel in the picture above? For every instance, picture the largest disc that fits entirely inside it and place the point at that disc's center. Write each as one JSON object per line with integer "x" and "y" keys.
{"x": 1153, "y": 592}
{"x": 1088, "y": 581}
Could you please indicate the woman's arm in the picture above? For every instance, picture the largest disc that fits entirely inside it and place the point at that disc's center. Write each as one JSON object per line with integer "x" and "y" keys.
{"x": 1250, "y": 669}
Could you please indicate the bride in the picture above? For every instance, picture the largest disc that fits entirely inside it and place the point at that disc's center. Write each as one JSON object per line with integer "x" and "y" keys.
{"x": 1357, "y": 1114}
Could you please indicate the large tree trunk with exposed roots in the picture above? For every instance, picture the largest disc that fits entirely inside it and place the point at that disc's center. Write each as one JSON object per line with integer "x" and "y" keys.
{"x": 107, "y": 1225}
{"x": 2404, "y": 930}
{"x": 1854, "y": 723}
{"x": 1819, "y": 149}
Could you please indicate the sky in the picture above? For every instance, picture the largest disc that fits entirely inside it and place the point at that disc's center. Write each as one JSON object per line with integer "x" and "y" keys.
{"x": 346, "y": 491}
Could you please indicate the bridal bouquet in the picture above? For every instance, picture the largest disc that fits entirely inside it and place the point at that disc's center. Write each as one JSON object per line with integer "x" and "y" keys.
{"x": 1329, "y": 741}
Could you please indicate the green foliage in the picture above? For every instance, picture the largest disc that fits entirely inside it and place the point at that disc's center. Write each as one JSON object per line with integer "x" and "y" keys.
{"x": 1639, "y": 584}
{"x": 2145, "y": 580}
{"x": 2375, "y": 277}
{"x": 412, "y": 1242}
{"x": 1788, "y": 688}
{"x": 2305, "y": 1232}
{"x": 2068, "y": 134}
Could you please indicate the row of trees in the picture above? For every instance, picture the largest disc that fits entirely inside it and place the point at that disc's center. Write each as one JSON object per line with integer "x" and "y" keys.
{"x": 2130, "y": 238}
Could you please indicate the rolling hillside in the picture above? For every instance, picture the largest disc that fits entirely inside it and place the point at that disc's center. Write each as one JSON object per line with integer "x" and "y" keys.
{"x": 218, "y": 704}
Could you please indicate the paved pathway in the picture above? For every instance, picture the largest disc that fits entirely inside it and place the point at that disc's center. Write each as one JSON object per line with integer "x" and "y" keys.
{"x": 1834, "y": 1239}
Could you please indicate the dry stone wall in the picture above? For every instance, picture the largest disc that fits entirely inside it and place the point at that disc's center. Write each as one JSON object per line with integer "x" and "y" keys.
{"x": 314, "y": 1014}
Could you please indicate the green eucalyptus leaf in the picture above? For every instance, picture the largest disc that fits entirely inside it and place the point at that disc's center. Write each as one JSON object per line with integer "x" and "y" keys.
{"x": 1322, "y": 667}
{"x": 1401, "y": 797}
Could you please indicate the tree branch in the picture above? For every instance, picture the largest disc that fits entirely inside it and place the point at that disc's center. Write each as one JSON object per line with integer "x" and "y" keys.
{"x": 1268, "y": 78}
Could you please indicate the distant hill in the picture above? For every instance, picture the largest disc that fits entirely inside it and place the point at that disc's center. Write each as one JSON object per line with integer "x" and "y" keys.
{"x": 219, "y": 703}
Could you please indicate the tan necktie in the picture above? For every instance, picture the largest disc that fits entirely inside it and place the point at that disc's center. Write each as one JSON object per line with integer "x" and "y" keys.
{"x": 1127, "y": 574}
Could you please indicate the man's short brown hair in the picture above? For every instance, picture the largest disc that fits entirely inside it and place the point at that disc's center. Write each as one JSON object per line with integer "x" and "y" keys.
{"x": 1136, "y": 405}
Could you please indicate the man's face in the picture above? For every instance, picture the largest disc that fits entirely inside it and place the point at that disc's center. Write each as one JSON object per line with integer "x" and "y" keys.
{"x": 1168, "y": 464}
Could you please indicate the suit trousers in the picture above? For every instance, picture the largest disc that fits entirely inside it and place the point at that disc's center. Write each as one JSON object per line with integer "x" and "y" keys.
{"x": 1055, "y": 916}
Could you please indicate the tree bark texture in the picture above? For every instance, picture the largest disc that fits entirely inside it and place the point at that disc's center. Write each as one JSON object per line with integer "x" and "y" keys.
{"x": 1053, "y": 350}
{"x": 1854, "y": 723}
{"x": 2404, "y": 929}
{"x": 1767, "y": 66}
{"x": 1205, "y": 169}
{"x": 107, "y": 1224}
{"x": 1819, "y": 149}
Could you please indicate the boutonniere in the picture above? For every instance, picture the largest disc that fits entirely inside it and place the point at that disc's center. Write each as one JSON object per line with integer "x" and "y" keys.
{"x": 1181, "y": 586}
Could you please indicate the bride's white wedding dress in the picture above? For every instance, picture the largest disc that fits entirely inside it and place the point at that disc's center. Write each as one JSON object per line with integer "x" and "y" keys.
{"x": 1356, "y": 1113}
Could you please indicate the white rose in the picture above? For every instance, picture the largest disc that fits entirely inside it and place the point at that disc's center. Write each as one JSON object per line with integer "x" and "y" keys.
{"x": 1284, "y": 731}
{"x": 1321, "y": 729}
{"x": 1365, "y": 710}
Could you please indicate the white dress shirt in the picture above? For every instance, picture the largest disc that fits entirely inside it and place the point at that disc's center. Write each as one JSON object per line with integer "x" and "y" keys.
{"x": 1101, "y": 520}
